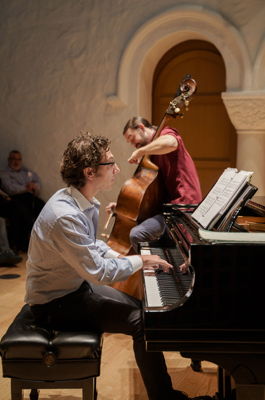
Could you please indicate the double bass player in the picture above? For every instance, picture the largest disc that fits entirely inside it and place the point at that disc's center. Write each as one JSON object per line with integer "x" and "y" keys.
{"x": 176, "y": 169}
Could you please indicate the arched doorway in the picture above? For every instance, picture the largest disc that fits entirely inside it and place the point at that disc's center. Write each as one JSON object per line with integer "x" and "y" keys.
{"x": 206, "y": 128}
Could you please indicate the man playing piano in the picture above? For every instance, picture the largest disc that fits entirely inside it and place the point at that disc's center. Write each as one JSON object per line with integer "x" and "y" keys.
{"x": 176, "y": 167}
{"x": 68, "y": 269}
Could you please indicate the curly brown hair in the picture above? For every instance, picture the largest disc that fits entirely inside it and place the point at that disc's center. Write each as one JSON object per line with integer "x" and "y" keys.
{"x": 83, "y": 151}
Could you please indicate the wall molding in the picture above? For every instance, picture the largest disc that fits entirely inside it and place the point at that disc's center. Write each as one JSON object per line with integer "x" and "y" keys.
{"x": 246, "y": 110}
{"x": 159, "y": 34}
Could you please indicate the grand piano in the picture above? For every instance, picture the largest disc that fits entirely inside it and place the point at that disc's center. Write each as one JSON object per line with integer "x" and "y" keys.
{"x": 213, "y": 311}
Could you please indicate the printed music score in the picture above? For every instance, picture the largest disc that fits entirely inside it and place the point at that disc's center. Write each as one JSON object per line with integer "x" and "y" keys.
{"x": 230, "y": 189}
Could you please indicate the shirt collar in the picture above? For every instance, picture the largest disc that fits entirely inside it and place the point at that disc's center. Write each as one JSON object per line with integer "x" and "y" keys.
{"x": 82, "y": 202}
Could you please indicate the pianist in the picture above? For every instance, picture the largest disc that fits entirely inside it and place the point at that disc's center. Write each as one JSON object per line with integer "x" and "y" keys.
{"x": 68, "y": 269}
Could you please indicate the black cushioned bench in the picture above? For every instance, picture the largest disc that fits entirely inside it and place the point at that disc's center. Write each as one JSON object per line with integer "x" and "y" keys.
{"x": 35, "y": 358}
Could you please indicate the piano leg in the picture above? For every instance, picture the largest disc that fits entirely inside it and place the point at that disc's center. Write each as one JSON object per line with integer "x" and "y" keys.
{"x": 242, "y": 392}
{"x": 224, "y": 385}
{"x": 220, "y": 380}
{"x": 246, "y": 371}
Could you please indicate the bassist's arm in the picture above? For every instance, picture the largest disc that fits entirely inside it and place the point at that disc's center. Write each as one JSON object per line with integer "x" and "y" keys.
{"x": 162, "y": 145}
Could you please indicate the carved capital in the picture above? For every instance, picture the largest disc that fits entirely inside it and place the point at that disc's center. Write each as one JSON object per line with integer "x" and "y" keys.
{"x": 246, "y": 110}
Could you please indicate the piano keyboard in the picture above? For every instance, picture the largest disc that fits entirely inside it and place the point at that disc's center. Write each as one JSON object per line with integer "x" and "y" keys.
{"x": 164, "y": 289}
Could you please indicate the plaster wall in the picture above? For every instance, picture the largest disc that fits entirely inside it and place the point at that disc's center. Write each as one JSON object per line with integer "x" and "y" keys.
{"x": 72, "y": 65}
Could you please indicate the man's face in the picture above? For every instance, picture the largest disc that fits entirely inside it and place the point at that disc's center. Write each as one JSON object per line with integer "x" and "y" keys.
{"x": 15, "y": 161}
{"x": 107, "y": 169}
{"x": 137, "y": 137}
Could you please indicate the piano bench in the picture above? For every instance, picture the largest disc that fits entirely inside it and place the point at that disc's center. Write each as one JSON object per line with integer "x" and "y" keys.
{"x": 36, "y": 358}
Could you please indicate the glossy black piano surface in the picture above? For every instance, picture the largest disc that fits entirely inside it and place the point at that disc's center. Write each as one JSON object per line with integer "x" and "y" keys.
{"x": 221, "y": 318}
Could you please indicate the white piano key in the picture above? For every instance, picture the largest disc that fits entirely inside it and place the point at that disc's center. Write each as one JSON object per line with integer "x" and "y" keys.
{"x": 145, "y": 252}
{"x": 151, "y": 286}
{"x": 152, "y": 291}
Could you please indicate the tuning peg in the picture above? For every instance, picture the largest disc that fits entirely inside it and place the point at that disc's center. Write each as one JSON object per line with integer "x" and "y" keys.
{"x": 177, "y": 110}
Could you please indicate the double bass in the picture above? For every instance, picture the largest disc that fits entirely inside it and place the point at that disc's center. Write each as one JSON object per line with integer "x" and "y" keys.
{"x": 141, "y": 196}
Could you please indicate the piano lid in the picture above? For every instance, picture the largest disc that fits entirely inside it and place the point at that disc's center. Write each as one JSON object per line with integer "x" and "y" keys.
{"x": 255, "y": 206}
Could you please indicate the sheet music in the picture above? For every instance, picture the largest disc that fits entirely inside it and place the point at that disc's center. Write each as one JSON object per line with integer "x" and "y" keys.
{"x": 221, "y": 196}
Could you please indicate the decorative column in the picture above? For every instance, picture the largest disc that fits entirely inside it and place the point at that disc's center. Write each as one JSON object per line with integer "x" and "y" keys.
{"x": 247, "y": 113}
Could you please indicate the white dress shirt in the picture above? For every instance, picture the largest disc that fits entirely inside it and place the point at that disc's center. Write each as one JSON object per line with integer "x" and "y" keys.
{"x": 64, "y": 251}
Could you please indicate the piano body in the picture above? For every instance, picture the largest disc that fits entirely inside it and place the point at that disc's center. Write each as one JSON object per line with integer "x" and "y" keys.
{"x": 213, "y": 312}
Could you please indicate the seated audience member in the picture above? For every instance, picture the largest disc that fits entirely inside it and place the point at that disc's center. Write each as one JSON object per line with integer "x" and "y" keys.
{"x": 7, "y": 256}
{"x": 23, "y": 205}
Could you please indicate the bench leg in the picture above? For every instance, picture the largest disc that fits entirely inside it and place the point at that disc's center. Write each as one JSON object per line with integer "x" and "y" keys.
{"x": 16, "y": 390}
{"x": 89, "y": 390}
{"x": 34, "y": 394}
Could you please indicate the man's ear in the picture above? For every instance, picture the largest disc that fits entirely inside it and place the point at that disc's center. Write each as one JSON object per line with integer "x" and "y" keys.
{"x": 88, "y": 173}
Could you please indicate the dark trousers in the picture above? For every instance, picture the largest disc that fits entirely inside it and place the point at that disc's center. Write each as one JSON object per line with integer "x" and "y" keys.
{"x": 105, "y": 309}
{"x": 21, "y": 212}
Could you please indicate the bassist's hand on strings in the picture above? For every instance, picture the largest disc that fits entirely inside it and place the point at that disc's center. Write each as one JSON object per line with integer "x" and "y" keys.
{"x": 110, "y": 208}
{"x": 154, "y": 262}
{"x": 135, "y": 157}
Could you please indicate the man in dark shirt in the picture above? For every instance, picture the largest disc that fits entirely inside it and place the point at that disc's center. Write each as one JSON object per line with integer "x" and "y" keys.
{"x": 23, "y": 206}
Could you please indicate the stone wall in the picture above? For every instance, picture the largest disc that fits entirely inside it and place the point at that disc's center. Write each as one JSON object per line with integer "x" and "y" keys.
{"x": 62, "y": 69}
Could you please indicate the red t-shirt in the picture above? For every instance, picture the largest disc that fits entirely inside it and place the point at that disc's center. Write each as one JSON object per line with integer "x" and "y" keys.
{"x": 178, "y": 173}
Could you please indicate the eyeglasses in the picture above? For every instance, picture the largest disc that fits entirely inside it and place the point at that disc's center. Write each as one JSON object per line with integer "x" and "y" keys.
{"x": 107, "y": 163}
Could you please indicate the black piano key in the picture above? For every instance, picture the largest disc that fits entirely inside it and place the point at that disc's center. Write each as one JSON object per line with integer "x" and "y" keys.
{"x": 173, "y": 285}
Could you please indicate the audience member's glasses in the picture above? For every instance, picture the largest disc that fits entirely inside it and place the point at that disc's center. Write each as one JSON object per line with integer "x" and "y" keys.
{"x": 107, "y": 163}
{"x": 15, "y": 159}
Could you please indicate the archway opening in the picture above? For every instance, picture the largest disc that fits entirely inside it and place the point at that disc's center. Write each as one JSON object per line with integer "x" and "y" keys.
{"x": 206, "y": 128}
